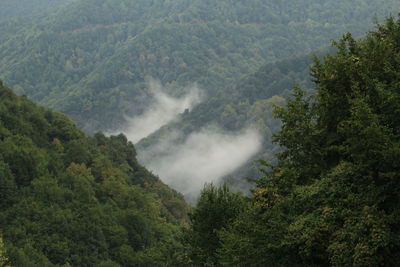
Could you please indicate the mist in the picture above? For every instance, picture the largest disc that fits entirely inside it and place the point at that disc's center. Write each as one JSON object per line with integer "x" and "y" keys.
{"x": 187, "y": 162}
{"x": 203, "y": 157}
{"x": 162, "y": 109}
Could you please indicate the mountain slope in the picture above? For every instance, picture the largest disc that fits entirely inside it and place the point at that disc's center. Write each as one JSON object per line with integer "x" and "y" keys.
{"x": 70, "y": 199}
{"x": 91, "y": 59}
{"x": 21, "y": 8}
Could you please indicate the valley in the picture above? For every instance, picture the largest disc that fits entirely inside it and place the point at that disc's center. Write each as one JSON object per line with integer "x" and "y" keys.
{"x": 199, "y": 133}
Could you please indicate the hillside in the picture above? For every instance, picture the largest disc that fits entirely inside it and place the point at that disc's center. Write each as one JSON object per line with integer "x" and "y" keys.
{"x": 25, "y": 8}
{"x": 249, "y": 106}
{"x": 70, "y": 199}
{"x": 327, "y": 194}
{"x": 332, "y": 196}
{"x": 91, "y": 59}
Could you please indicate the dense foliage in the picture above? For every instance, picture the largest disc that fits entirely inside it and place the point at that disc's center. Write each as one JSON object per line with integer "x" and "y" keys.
{"x": 3, "y": 258}
{"x": 333, "y": 196}
{"x": 20, "y": 8}
{"x": 91, "y": 58}
{"x": 70, "y": 199}
{"x": 216, "y": 208}
{"x": 330, "y": 197}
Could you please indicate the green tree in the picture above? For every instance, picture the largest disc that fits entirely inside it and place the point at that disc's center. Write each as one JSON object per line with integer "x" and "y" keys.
{"x": 332, "y": 198}
{"x": 3, "y": 258}
{"x": 216, "y": 209}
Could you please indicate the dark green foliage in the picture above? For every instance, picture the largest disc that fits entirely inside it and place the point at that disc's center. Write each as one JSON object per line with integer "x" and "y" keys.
{"x": 332, "y": 198}
{"x": 7, "y": 185}
{"x": 24, "y": 159}
{"x": 70, "y": 199}
{"x": 216, "y": 209}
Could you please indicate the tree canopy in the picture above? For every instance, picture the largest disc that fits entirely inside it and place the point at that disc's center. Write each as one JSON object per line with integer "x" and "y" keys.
{"x": 90, "y": 58}
{"x": 70, "y": 199}
{"x": 332, "y": 197}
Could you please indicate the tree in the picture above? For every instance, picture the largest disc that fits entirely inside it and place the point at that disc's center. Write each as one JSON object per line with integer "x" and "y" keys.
{"x": 216, "y": 209}
{"x": 332, "y": 198}
{"x": 7, "y": 185}
{"x": 3, "y": 258}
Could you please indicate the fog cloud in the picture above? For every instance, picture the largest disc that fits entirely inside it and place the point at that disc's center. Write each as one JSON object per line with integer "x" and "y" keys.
{"x": 162, "y": 110}
{"x": 203, "y": 157}
{"x": 187, "y": 162}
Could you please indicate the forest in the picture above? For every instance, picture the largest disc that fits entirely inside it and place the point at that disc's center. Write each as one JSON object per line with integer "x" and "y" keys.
{"x": 90, "y": 59}
{"x": 71, "y": 200}
{"x": 93, "y": 61}
{"x": 332, "y": 197}
{"x": 321, "y": 188}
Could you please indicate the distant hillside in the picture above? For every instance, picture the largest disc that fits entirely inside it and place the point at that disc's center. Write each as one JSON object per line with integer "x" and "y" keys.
{"x": 249, "y": 103}
{"x": 21, "y": 8}
{"x": 91, "y": 58}
{"x": 70, "y": 199}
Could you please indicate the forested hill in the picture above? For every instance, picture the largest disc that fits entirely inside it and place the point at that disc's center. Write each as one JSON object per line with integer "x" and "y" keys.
{"x": 91, "y": 58}
{"x": 71, "y": 200}
{"x": 21, "y": 8}
{"x": 332, "y": 198}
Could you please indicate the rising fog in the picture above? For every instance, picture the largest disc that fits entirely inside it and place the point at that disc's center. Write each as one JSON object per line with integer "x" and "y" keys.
{"x": 162, "y": 110}
{"x": 187, "y": 162}
{"x": 203, "y": 157}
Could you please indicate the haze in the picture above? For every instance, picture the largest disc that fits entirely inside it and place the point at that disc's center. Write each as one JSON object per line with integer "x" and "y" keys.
{"x": 203, "y": 157}
{"x": 162, "y": 110}
{"x": 187, "y": 162}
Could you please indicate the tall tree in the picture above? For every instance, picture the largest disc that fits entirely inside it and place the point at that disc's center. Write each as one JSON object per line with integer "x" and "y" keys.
{"x": 216, "y": 209}
{"x": 333, "y": 197}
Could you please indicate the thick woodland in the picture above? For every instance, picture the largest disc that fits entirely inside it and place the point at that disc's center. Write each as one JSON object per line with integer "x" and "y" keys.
{"x": 91, "y": 59}
{"x": 70, "y": 199}
{"x": 332, "y": 198}
{"x": 327, "y": 194}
